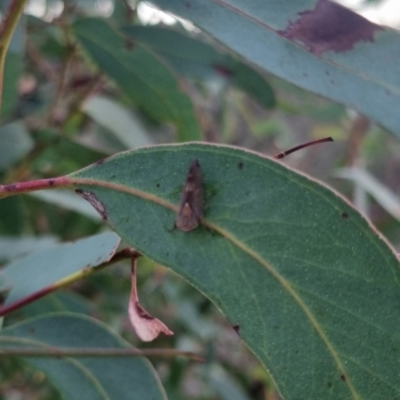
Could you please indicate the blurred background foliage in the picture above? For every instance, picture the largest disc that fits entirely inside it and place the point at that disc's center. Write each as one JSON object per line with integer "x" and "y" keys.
{"x": 60, "y": 113}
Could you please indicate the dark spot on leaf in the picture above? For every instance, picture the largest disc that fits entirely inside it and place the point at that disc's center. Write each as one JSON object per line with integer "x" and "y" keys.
{"x": 236, "y": 328}
{"x": 330, "y": 27}
{"x": 142, "y": 312}
{"x": 32, "y": 330}
{"x": 329, "y": 384}
{"x": 92, "y": 199}
{"x": 345, "y": 215}
{"x": 343, "y": 377}
{"x": 222, "y": 70}
{"x": 327, "y": 73}
{"x": 188, "y": 5}
{"x": 305, "y": 74}
{"x": 158, "y": 185}
{"x": 240, "y": 165}
{"x": 51, "y": 182}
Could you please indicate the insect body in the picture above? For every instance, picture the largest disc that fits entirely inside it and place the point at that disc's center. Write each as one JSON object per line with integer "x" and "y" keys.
{"x": 191, "y": 205}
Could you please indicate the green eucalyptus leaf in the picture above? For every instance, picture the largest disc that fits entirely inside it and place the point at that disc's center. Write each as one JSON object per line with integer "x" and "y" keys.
{"x": 315, "y": 44}
{"x": 197, "y": 59}
{"x": 141, "y": 75}
{"x": 303, "y": 278}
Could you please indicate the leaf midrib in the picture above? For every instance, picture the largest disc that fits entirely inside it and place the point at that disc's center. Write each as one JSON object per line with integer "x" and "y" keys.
{"x": 242, "y": 246}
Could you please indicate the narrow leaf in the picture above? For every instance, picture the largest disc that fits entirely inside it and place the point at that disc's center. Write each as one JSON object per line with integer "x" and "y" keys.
{"x": 142, "y": 76}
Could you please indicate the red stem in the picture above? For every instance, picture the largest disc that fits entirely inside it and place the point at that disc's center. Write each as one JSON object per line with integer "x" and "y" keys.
{"x": 26, "y": 300}
{"x": 30, "y": 186}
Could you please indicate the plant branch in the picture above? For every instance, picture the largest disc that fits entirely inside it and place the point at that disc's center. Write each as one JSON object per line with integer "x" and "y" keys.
{"x": 97, "y": 352}
{"x": 31, "y": 186}
{"x": 7, "y": 27}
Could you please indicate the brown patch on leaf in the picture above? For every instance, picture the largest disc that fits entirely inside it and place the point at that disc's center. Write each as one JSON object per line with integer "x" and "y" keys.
{"x": 92, "y": 199}
{"x": 330, "y": 27}
{"x": 191, "y": 205}
{"x": 345, "y": 215}
{"x": 146, "y": 326}
{"x": 343, "y": 377}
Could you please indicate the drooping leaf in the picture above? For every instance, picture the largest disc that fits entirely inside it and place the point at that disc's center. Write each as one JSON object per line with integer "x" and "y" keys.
{"x": 49, "y": 266}
{"x": 304, "y": 279}
{"x": 142, "y": 76}
{"x": 315, "y": 44}
{"x": 199, "y": 60}
{"x": 112, "y": 378}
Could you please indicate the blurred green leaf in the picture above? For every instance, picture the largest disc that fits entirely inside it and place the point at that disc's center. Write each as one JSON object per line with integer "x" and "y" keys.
{"x": 117, "y": 119}
{"x": 15, "y": 143}
{"x": 12, "y": 73}
{"x": 302, "y": 276}
{"x": 317, "y": 45}
{"x": 142, "y": 76}
{"x": 13, "y": 67}
{"x": 224, "y": 384}
{"x": 112, "y": 378}
{"x": 67, "y": 200}
{"x": 382, "y": 194}
{"x": 197, "y": 59}
{"x": 43, "y": 269}
{"x": 11, "y": 216}
{"x": 5, "y": 287}
{"x": 58, "y": 148}
{"x": 58, "y": 302}
{"x": 13, "y": 246}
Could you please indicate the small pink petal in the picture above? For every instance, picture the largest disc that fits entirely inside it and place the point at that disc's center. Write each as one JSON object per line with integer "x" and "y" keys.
{"x": 145, "y": 325}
